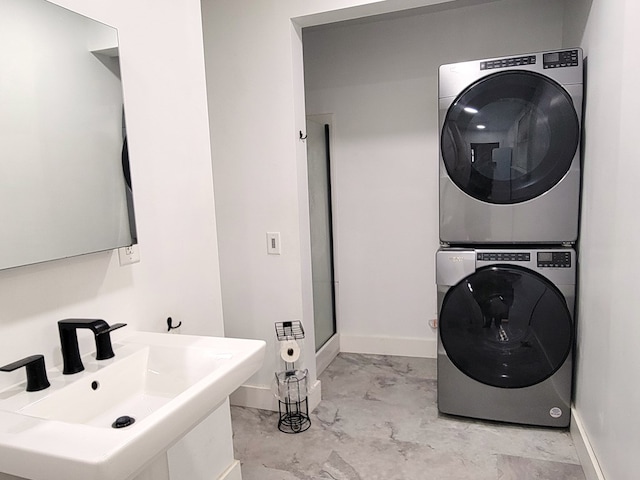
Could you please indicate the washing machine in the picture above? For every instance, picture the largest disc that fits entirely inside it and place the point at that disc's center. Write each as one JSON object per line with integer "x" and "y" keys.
{"x": 506, "y": 333}
{"x": 509, "y": 149}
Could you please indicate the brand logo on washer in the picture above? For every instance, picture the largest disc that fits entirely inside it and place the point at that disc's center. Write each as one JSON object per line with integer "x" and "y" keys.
{"x": 555, "y": 412}
{"x": 457, "y": 259}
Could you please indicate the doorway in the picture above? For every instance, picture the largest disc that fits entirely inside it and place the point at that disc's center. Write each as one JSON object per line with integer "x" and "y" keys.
{"x": 321, "y": 227}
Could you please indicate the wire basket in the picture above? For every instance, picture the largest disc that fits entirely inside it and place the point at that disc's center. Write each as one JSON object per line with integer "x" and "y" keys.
{"x": 291, "y": 330}
{"x": 293, "y": 405}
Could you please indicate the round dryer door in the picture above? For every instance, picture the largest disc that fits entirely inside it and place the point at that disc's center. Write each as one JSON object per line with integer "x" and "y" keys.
{"x": 506, "y": 326}
{"x": 510, "y": 137}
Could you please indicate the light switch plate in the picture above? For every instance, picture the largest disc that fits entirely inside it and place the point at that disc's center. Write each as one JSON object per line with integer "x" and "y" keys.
{"x": 273, "y": 243}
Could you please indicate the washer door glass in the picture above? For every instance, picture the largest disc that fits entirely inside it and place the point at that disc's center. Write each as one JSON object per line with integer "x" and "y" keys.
{"x": 510, "y": 137}
{"x": 506, "y": 326}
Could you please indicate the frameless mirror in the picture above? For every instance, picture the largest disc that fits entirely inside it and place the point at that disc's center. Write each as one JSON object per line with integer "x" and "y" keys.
{"x": 62, "y": 187}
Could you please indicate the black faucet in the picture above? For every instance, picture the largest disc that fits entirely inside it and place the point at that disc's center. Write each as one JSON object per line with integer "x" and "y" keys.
{"x": 36, "y": 373}
{"x": 69, "y": 341}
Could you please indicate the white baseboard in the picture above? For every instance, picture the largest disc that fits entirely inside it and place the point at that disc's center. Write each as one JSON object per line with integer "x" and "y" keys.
{"x": 262, "y": 397}
{"x": 401, "y": 346}
{"x": 327, "y": 353}
{"x": 587, "y": 457}
{"x": 232, "y": 473}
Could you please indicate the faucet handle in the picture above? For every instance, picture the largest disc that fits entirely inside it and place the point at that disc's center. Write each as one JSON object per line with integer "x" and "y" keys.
{"x": 113, "y": 327}
{"x": 36, "y": 372}
{"x": 104, "y": 350}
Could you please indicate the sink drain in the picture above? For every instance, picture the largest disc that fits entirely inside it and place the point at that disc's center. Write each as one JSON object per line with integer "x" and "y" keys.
{"x": 123, "y": 421}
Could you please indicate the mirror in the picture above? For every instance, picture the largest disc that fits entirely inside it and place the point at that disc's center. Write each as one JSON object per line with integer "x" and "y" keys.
{"x": 62, "y": 187}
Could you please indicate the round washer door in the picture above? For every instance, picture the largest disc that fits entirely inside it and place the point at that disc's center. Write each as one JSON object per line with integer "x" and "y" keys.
{"x": 506, "y": 326}
{"x": 510, "y": 137}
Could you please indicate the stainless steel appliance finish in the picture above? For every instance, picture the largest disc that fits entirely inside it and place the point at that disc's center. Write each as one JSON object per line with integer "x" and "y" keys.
{"x": 509, "y": 149}
{"x": 506, "y": 333}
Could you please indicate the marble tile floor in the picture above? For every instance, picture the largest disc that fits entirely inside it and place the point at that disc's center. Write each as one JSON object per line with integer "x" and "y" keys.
{"x": 378, "y": 420}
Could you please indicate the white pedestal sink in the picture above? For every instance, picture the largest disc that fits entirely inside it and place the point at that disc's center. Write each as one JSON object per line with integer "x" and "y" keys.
{"x": 166, "y": 383}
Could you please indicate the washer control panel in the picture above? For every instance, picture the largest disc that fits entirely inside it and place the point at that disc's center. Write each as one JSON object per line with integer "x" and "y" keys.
{"x": 554, "y": 259}
{"x": 568, "y": 58}
{"x": 503, "y": 257}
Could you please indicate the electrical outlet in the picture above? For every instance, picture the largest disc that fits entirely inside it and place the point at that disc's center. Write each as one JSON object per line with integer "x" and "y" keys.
{"x": 129, "y": 255}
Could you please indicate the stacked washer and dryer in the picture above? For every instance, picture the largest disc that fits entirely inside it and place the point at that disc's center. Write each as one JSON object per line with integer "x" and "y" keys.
{"x": 509, "y": 207}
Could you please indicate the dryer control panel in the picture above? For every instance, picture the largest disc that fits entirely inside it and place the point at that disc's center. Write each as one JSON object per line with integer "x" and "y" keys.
{"x": 508, "y": 62}
{"x": 504, "y": 257}
{"x": 554, "y": 259}
{"x": 568, "y": 58}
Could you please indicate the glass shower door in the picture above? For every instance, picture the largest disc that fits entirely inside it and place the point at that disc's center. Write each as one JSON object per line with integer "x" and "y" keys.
{"x": 319, "y": 167}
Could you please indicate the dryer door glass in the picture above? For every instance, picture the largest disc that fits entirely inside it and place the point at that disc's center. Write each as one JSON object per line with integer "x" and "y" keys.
{"x": 510, "y": 137}
{"x": 506, "y": 326}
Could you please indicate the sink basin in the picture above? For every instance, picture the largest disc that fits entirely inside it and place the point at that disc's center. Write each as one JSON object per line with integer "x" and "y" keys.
{"x": 166, "y": 383}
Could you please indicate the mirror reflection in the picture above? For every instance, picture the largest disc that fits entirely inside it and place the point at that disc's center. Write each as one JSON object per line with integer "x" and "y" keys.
{"x": 62, "y": 187}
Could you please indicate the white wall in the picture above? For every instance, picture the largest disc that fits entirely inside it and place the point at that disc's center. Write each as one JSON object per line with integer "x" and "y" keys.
{"x": 249, "y": 74}
{"x": 380, "y": 82}
{"x": 607, "y": 389}
{"x": 255, "y": 93}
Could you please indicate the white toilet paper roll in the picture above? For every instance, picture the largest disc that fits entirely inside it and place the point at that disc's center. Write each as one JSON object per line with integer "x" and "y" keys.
{"x": 290, "y": 351}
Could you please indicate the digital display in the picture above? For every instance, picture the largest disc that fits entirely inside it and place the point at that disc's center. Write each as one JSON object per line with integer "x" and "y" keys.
{"x": 545, "y": 256}
{"x": 551, "y": 57}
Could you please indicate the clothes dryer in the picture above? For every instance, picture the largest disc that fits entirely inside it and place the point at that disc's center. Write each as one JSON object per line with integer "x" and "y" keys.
{"x": 509, "y": 157}
{"x": 506, "y": 333}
